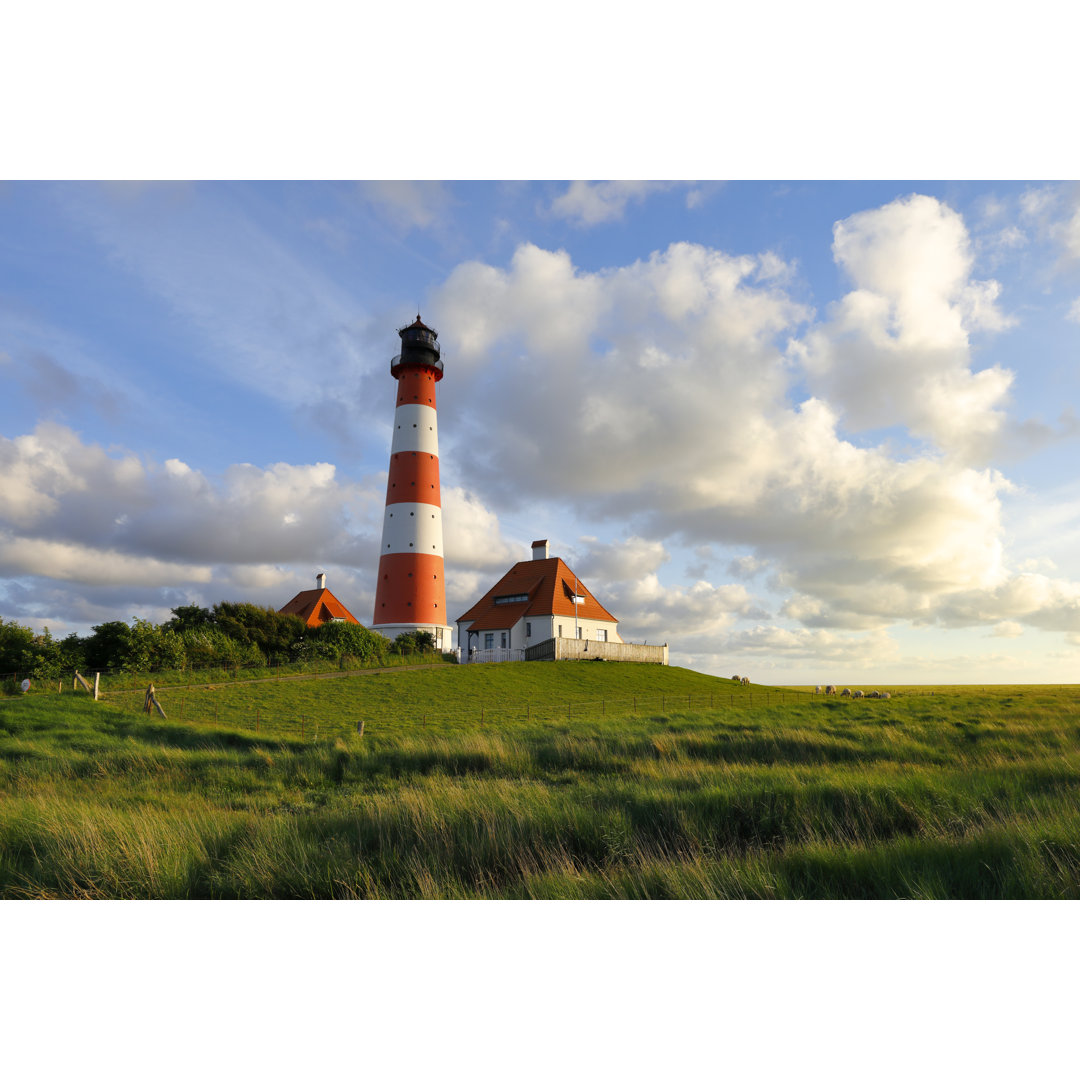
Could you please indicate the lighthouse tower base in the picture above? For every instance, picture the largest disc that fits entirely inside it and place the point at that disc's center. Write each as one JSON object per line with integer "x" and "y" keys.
{"x": 443, "y": 635}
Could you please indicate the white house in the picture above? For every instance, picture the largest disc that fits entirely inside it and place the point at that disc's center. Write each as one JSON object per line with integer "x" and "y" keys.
{"x": 532, "y": 602}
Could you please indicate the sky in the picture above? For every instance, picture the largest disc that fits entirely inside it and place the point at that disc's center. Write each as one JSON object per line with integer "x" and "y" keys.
{"x": 813, "y": 430}
{"x": 805, "y": 431}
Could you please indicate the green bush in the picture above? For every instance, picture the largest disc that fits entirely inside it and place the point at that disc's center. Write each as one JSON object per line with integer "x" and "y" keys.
{"x": 210, "y": 647}
{"x": 413, "y": 641}
{"x": 335, "y": 640}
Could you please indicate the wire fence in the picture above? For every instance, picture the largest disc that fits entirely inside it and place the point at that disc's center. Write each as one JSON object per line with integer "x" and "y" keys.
{"x": 193, "y": 705}
{"x": 214, "y": 702}
{"x": 114, "y": 681}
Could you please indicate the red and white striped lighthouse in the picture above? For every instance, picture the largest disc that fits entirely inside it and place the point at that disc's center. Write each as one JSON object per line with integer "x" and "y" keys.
{"x": 411, "y": 591}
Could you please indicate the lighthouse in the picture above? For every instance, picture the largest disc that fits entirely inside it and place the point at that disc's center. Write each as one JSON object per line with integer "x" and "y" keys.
{"x": 411, "y": 590}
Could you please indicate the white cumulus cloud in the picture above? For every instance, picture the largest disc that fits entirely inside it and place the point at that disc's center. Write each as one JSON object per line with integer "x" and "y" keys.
{"x": 896, "y": 350}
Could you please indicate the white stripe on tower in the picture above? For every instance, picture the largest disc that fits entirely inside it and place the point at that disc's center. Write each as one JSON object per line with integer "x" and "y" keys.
{"x": 412, "y": 528}
{"x": 415, "y": 428}
{"x": 411, "y": 590}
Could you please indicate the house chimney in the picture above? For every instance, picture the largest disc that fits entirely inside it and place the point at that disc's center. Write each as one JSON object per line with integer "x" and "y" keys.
{"x": 320, "y": 580}
{"x": 540, "y": 549}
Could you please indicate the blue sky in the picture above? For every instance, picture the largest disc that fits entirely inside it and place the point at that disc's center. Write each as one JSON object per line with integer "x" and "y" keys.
{"x": 809, "y": 431}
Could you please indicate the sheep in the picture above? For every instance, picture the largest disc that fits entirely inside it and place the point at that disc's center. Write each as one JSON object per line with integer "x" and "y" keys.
{"x": 735, "y": 678}
{"x": 857, "y": 693}
{"x": 830, "y": 689}
{"x": 885, "y": 695}
{"x": 873, "y": 694}
{"x": 817, "y": 689}
{"x": 846, "y": 692}
{"x": 745, "y": 681}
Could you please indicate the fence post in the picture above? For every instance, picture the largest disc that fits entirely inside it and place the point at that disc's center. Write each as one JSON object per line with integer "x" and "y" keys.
{"x": 97, "y": 679}
{"x": 360, "y": 727}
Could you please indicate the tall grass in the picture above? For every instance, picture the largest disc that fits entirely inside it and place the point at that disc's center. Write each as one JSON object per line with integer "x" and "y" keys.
{"x": 943, "y": 796}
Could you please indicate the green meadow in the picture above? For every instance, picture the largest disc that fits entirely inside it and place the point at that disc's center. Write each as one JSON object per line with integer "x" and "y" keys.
{"x": 553, "y": 781}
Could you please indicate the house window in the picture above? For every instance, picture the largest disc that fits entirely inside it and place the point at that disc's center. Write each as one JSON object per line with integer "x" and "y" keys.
{"x": 528, "y": 629}
{"x": 489, "y": 641}
{"x": 601, "y": 635}
{"x": 502, "y": 640}
{"x": 560, "y": 629}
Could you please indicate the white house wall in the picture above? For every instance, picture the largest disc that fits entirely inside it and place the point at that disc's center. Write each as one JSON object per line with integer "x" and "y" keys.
{"x": 543, "y": 627}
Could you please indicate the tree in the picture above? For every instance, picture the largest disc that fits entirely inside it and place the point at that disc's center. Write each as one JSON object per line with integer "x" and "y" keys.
{"x": 109, "y": 646}
{"x": 190, "y": 617}
{"x": 210, "y": 647}
{"x": 25, "y": 653}
{"x": 275, "y": 635}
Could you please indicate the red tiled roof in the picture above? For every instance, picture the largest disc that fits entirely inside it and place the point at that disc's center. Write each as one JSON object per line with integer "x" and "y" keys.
{"x": 317, "y": 606}
{"x": 549, "y": 584}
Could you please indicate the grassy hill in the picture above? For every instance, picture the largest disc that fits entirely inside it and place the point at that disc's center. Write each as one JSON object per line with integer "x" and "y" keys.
{"x": 578, "y": 780}
{"x": 445, "y": 697}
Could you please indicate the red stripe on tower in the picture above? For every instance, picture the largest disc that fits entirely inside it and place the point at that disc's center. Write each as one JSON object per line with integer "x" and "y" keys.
{"x": 411, "y": 592}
